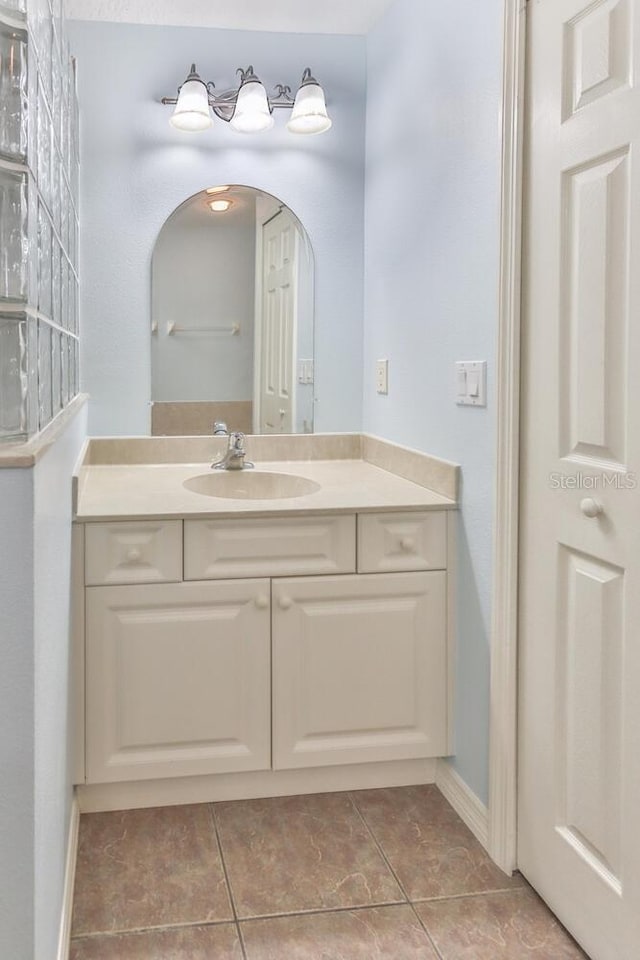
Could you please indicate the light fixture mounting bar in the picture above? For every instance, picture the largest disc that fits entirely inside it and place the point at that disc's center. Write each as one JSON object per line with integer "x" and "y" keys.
{"x": 225, "y": 103}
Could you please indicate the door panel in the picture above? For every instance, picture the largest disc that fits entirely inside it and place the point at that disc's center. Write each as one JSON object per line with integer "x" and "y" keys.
{"x": 177, "y": 680}
{"x": 595, "y": 306}
{"x": 280, "y": 267}
{"x": 579, "y": 723}
{"x": 359, "y": 669}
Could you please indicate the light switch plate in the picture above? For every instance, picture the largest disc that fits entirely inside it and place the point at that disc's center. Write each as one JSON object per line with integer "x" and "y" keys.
{"x": 305, "y": 371}
{"x": 382, "y": 376}
{"x": 471, "y": 383}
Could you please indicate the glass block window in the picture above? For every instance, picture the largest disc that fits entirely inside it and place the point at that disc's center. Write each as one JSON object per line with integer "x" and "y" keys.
{"x": 39, "y": 166}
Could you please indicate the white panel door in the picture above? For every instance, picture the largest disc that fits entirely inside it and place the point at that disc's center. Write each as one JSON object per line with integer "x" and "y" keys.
{"x": 178, "y": 680}
{"x": 359, "y": 669}
{"x": 579, "y": 776}
{"x": 278, "y": 324}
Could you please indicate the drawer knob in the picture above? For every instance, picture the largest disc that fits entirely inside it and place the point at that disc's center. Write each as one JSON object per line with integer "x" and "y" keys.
{"x": 133, "y": 555}
{"x": 262, "y": 602}
{"x": 408, "y": 544}
{"x": 285, "y": 603}
{"x": 591, "y": 508}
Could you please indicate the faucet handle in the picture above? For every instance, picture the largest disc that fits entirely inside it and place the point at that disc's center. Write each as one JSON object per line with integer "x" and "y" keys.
{"x": 220, "y": 429}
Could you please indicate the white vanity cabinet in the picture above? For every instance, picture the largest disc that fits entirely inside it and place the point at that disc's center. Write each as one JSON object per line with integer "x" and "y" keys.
{"x": 274, "y": 644}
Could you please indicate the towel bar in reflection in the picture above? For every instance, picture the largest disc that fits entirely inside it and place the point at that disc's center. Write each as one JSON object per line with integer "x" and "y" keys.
{"x": 173, "y": 328}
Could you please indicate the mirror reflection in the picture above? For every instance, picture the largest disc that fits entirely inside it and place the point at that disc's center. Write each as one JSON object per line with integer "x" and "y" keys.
{"x": 232, "y": 317}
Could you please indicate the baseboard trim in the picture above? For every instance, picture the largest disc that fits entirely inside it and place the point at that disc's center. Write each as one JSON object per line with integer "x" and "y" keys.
{"x": 64, "y": 939}
{"x": 464, "y": 801}
{"x": 93, "y": 798}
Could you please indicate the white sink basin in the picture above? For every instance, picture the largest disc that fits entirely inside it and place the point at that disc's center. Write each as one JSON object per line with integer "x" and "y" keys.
{"x": 247, "y": 485}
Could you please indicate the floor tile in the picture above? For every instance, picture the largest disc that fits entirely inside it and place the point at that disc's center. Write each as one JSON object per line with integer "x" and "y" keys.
{"x": 379, "y": 933}
{"x": 288, "y": 854}
{"x": 500, "y": 926}
{"x": 184, "y": 943}
{"x": 430, "y": 849}
{"x": 147, "y": 868}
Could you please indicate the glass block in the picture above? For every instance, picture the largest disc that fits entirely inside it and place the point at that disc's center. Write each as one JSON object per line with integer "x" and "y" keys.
{"x": 75, "y": 183}
{"x": 44, "y": 374}
{"x": 56, "y": 93}
{"x": 75, "y": 117}
{"x": 13, "y": 94}
{"x": 32, "y": 242}
{"x": 73, "y": 240}
{"x": 64, "y": 370}
{"x": 64, "y": 212}
{"x": 45, "y": 254}
{"x": 13, "y": 378}
{"x": 56, "y": 13}
{"x": 64, "y": 131}
{"x": 56, "y": 298}
{"x": 37, "y": 11}
{"x": 73, "y": 303}
{"x": 43, "y": 146}
{"x": 73, "y": 367}
{"x": 13, "y": 6}
{"x": 14, "y": 243}
{"x": 56, "y": 373}
{"x": 45, "y": 51}
{"x": 56, "y": 200}
{"x": 65, "y": 319}
{"x": 32, "y": 375}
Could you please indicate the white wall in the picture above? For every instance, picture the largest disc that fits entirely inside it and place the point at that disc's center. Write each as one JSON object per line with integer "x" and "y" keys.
{"x": 35, "y": 735}
{"x": 204, "y": 275}
{"x": 136, "y": 169}
{"x": 431, "y": 282}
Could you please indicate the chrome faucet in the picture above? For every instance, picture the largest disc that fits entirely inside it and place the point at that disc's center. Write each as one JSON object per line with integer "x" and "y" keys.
{"x": 234, "y": 458}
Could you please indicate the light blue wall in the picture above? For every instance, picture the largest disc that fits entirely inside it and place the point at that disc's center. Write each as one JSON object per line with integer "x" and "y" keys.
{"x": 431, "y": 283}
{"x": 16, "y": 715}
{"x": 35, "y": 736}
{"x": 136, "y": 169}
{"x": 52, "y": 662}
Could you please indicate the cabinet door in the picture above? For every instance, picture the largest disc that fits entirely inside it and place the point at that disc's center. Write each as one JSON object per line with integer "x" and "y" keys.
{"x": 178, "y": 680}
{"x": 359, "y": 669}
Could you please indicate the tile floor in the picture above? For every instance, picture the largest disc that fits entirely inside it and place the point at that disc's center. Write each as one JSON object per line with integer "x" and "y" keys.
{"x": 371, "y": 875}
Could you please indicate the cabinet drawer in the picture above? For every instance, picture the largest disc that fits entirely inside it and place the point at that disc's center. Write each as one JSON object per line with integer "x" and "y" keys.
{"x": 220, "y": 549}
{"x": 395, "y": 542}
{"x": 145, "y": 552}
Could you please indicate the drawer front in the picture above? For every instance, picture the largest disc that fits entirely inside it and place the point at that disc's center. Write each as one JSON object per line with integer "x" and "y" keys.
{"x": 221, "y": 549}
{"x": 144, "y": 552}
{"x": 397, "y": 542}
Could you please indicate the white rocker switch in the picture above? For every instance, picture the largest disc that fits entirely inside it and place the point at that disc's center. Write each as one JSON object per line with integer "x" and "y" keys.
{"x": 471, "y": 383}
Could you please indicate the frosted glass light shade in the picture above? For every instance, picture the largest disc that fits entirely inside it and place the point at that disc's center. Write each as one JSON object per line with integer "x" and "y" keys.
{"x": 192, "y": 109}
{"x": 309, "y": 114}
{"x": 252, "y": 114}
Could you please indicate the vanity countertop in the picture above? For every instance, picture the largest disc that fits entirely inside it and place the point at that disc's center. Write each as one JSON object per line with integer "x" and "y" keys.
{"x": 156, "y": 491}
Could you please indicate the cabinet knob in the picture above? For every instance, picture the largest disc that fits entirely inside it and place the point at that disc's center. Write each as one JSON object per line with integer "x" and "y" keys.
{"x": 262, "y": 602}
{"x": 591, "y": 508}
{"x": 133, "y": 555}
{"x": 408, "y": 544}
{"x": 285, "y": 603}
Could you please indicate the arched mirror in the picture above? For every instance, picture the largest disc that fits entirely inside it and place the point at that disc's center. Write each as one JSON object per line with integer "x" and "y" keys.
{"x": 232, "y": 317}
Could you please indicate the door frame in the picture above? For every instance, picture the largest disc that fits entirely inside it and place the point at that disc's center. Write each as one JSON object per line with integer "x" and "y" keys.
{"x": 503, "y": 723}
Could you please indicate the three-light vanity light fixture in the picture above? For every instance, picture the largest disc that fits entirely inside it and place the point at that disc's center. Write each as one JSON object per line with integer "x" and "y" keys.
{"x": 248, "y": 109}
